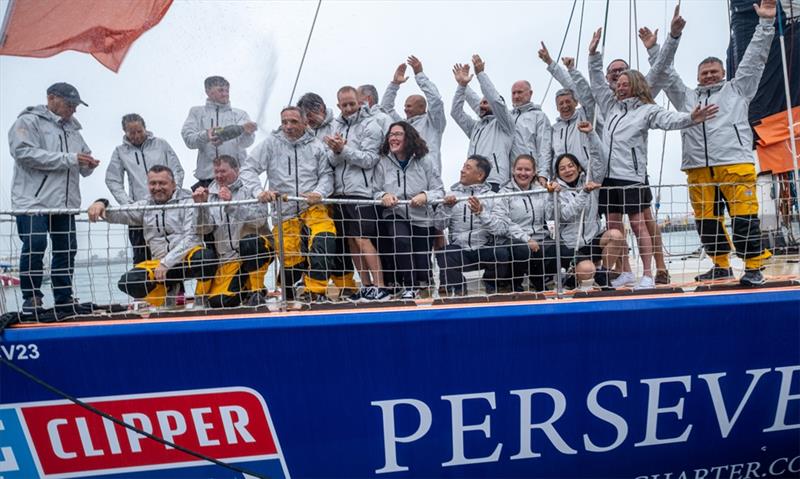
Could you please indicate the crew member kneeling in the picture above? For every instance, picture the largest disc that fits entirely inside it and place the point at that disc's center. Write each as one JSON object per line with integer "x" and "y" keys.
{"x": 244, "y": 255}
{"x": 170, "y": 234}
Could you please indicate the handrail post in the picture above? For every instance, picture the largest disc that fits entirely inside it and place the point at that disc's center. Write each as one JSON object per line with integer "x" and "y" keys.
{"x": 557, "y": 224}
{"x": 279, "y": 206}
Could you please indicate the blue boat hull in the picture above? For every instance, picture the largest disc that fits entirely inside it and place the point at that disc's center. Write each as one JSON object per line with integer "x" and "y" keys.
{"x": 704, "y": 385}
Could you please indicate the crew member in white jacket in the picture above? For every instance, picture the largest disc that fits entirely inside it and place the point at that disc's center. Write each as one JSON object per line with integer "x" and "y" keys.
{"x": 630, "y": 113}
{"x": 717, "y": 154}
{"x": 133, "y": 158}
{"x": 216, "y": 129}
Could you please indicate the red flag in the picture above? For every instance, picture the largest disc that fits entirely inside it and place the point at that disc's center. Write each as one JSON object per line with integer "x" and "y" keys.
{"x": 106, "y": 29}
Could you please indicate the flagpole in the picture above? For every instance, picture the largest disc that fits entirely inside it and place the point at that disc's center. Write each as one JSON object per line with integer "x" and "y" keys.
{"x": 789, "y": 113}
{"x": 6, "y": 19}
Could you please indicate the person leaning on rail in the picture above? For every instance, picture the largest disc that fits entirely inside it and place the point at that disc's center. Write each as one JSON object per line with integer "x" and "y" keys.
{"x": 354, "y": 146}
{"x": 50, "y": 156}
{"x": 296, "y": 164}
{"x": 133, "y": 158}
{"x": 216, "y": 129}
{"x": 532, "y": 248}
{"x": 244, "y": 255}
{"x": 473, "y": 224}
{"x": 178, "y": 253}
{"x": 492, "y": 135}
{"x": 717, "y": 154}
{"x": 584, "y": 245}
{"x": 630, "y": 113}
{"x": 406, "y": 172}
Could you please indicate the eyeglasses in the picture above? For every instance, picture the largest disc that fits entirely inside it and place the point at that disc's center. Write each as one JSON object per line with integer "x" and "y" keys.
{"x": 396, "y": 134}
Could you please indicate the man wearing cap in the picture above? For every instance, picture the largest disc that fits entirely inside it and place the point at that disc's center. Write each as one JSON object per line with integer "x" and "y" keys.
{"x": 216, "y": 129}
{"x": 49, "y": 155}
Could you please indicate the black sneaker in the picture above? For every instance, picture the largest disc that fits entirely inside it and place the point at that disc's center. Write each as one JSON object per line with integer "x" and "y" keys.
{"x": 602, "y": 277}
{"x": 379, "y": 294}
{"x": 362, "y": 294}
{"x": 752, "y": 277}
{"x": 31, "y": 305}
{"x": 715, "y": 273}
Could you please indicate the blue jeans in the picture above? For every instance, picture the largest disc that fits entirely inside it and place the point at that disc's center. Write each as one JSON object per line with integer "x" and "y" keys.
{"x": 33, "y": 231}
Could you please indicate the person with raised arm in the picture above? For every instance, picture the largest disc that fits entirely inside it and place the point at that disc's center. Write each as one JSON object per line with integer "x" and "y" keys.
{"x": 631, "y": 112}
{"x": 717, "y": 153}
{"x": 491, "y": 136}
{"x": 425, "y": 113}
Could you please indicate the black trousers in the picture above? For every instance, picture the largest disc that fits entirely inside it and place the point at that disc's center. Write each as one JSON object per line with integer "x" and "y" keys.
{"x": 405, "y": 252}
{"x": 201, "y": 264}
{"x": 454, "y": 261}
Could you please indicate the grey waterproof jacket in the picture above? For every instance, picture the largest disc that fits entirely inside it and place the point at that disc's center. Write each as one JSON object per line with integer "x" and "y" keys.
{"x": 430, "y": 125}
{"x": 229, "y": 223}
{"x": 577, "y": 204}
{"x": 325, "y": 128}
{"x": 383, "y": 118}
{"x": 134, "y": 161}
{"x": 525, "y": 215}
{"x": 726, "y": 139}
{"x": 169, "y": 233}
{"x": 627, "y": 124}
{"x": 45, "y": 152}
{"x": 419, "y": 176}
{"x": 352, "y": 168}
{"x": 567, "y": 139}
{"x": 195, "y": 135}
{"x": 292, "y": 168}
{"x": 532, "y": 136}
{"x": 491, "y": 136}
{"x": 466, "y": 229}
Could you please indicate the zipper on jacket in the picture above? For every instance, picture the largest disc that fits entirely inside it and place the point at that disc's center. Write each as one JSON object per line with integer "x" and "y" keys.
{"x": 136, "y": 155}
{"x": 144, "y": 160}
{"x": 296, "y": 180}
{"x": 496, "y": 166}
{"x": 66, "y": 150}
{"x": 705, "y": 135}
{"x": 611, "y": 137}
{"x": 471, "y": 217}
{"x": 364, "y": 173}
{"x": 40, "y": 186}
{"x": 635, "y": 161}
{"x": 738, "y": 136}
{"x": 230, "y": 235}
{"x": 477, "y": 139}
{"x": 164, "y": 224}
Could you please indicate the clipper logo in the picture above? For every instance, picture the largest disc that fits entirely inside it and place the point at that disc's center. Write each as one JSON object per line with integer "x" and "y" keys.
{"x": 61, "y": 439}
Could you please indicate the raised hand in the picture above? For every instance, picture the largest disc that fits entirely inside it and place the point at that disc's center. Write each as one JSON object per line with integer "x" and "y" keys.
{"x": 766, "y": 9}
{"x": 705, "y": 113}
{"x": 478, "y": 63}
{"x": 544, "y": 54}
{"x": 568, "y": 62}
{"x": 415, "y": 64}
{"x": 677, "y": 24}
{"x": 461, "y": 74}
{"x": 400, "y": 74}
{"x": 648, "y": 38}
{"x": 596, "y": 36}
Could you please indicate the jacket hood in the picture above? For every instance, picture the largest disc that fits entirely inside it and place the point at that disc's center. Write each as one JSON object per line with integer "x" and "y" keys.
{"x": 574, "y": 116}
{"x": 481, "y": 188}
{"x": 306, "y": 138}
{"x": 213, "y": 188}
{"x": 527, "y": 107}
{"x": 42, "y": 112}
{"x": 362, "y": 114}
{"x": 711, "y": 88}
{"x": 221, "y": 106}
{"x": 146, "y": 140}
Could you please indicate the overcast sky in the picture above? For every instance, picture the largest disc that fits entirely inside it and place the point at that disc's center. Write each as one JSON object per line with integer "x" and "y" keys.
{"x": 257, "y": 45}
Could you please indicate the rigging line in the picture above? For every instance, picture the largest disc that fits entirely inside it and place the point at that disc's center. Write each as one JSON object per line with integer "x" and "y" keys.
{"x": 788, "y": 94}
{"x": 580, "y": 34}
{"x": 605, "y": 27}
{"x": 118, "y": 422}
{"x": 635, "y": 32}
{"x": 561, "y": 49}
{"x": 630, "y": 27}
{"x": 305, "y": 50}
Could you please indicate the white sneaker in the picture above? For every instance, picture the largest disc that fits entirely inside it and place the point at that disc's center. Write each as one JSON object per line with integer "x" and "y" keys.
{"x": 379, "y": 294}
{"x": 646, "y": 282}
{"x": 409, "y": 293}
{"x": 624, "y": 279}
